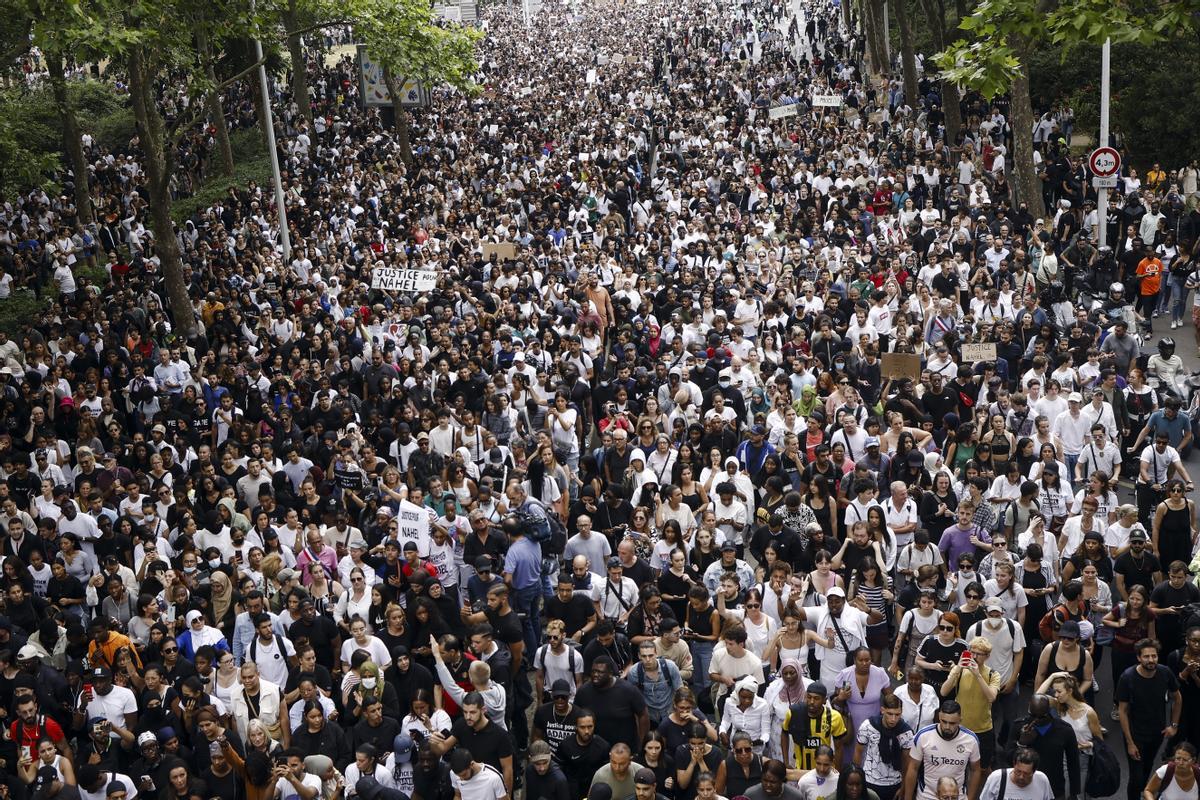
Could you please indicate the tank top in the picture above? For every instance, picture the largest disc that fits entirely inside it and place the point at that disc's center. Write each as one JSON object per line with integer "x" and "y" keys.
{"x": 1083, "y": 730}
{"x": 1175, "y": 534}
{"x": 1077, "y": 672}
{"x": 700, "y": 622}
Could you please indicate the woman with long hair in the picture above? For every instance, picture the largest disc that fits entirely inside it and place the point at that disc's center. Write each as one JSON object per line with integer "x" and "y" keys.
{"x": 1131, "y": 622}
{"x": 872, "y": 584}
{"x": 1073, "y": 710}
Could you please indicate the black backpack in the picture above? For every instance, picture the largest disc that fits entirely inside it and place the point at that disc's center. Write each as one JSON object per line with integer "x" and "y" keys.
{"x": 1104, "y": 773}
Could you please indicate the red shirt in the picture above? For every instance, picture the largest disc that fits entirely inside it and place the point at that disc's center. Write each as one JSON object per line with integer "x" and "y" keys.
{"x": 29, "y": 735}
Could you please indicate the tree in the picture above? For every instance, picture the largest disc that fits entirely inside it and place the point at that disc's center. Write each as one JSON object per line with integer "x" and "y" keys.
{"x": 406, "y": 38}
{"x": 1006, "y": 33}
{"x": 908, "y": 57}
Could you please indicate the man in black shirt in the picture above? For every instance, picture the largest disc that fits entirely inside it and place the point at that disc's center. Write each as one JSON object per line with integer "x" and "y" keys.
{"x": 620, "y": 709}
{"x": 374, "y": 728}
{"x": 1169, "y": 599}
{"x": 555, "y": 722}
{"x": 582, "y": 754}
{"x": 575, "y": 610}
{"x": 1136, "y": 566}
{"x": 784, "y": 540}
{"x": 321, "y": 633}
{"x": 1142, "y": 695}
{"x": 1052, "y": 739}
{"x": 487, "y": 742}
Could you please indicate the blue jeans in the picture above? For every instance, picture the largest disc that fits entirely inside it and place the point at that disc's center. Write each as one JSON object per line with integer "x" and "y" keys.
{"x": 1179, "y": 295}
{"x": 526, "y": 602}
{"x": 701, "y": 656}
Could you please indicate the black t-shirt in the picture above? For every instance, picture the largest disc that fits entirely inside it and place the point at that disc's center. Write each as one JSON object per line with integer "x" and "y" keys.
{"x": 507, "y": 627}
{"x": 1137, "y": 572}
{"x": 574, "y": 613}
{"x": 1170, "y": 626}
{"x": 555, "y": 729}
{"x": 932, "y": 649}
{"x": 712, "y": 762}
{"x": 1147, "y": 699}
{"x": 487, "y": 745}
{"x": 616, "y": 708}
{"x": 580, "y": 761}
{"x": 321, "y": 634}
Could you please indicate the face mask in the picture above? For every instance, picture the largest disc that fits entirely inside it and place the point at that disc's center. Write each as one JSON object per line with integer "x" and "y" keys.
{"x": 368, "y": 683}
{"x": 189, "y": 570}
{"x": 839, "y": 365}
{"x": 214, "y": 563}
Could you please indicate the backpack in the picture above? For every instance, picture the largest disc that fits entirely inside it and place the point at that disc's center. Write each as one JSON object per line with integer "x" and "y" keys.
{"x": 252, "y": 650}
{"x": 573, "y": 657}
{"x": 1104, "y": 772}
{"x": 640, "y": 676}
{"x": 1051, "y": 621}
{"x": 541, "y": 526}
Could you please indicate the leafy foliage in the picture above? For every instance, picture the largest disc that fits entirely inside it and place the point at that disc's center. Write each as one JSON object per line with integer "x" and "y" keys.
{"x": 406, "y": 37}
{"x": 20, "y": 307}
{"x": 1001, "y": 28}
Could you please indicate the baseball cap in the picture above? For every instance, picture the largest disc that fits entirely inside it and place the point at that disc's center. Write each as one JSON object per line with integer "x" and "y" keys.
{"x": 483, "y": 563}
{"x": 646, "y": 777}
{"x": 101, "y": 673}
{"x": 560, "y": 688}
{"x": 758, "y": 430}
{"x": 1137, "y": 535}
{"x": 872, "y": 441}
{"x": 614, "y": 563}
{"x": 287, "y": 574}
{"x": 27, "y": 653}
{"x": 836, "y": 591}
{"x": 729, "y": 547}
{"x": 993, "y": 604}
{"x": 1074, "y": 397}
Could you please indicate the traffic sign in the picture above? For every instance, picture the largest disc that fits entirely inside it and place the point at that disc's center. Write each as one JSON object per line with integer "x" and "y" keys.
{"x": 1104, "y": 161}
{"x": 1109, "y": 182}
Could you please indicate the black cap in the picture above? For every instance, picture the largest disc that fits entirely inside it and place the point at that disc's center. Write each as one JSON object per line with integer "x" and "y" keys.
{"x": 483, "y": 564}
{"x": 560, "y": 688}
{"x": 615, "y": 563}
{"x": 646, "y": 777}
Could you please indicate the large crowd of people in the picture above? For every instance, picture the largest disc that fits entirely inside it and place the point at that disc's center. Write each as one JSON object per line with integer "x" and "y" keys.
{"x": 686, "y": 481}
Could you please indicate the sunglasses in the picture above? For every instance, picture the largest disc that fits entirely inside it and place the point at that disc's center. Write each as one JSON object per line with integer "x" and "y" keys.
{"x": 974, "y": 597}
{"x": 753, "y": 605}
{"x": 945, "y": 627}
{"x": 743, "y": 750}
{"x": 169, "y": 650}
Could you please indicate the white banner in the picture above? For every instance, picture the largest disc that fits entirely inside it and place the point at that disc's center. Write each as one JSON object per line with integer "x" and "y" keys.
{"x": 779, "y": 112}
{"x": 391, "y": 279}
{"x": 413, "y": 521}
{"x": 826, "y": 100}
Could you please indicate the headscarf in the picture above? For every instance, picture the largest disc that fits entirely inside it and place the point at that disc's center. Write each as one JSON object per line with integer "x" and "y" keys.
{"x": 788, "y": 693}
{"x": 222, "y": 594}
{"x": 933, "y": 468}
{"x": 206, "y": 635}
{"x": 807, "y": 402}
{"x": 468, "y": 464}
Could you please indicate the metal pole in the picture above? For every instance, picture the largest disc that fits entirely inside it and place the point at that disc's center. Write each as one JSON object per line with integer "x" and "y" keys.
{"x": 525, "y": 11}
{"x": 1102, "y": 194}
{"x": 281, "y": 210}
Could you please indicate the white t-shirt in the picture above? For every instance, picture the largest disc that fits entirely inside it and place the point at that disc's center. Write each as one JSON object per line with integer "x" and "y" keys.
{"x": 814, "y": 787}
{"x": 272, "y": 662}
{"x": 487, "y": 784}
{"x": 1174, "y": 791}
{"x": 130, "y": 791}
{"x": 943, "y": 758}
{"x": 1038, "y": 788}
{"x": 113, "y": 706}
{"x": 1004, "y": 644}
{"x": 284, "y": 790}
{"x": 377, "y": 649}
{"x": 559, "y": 666}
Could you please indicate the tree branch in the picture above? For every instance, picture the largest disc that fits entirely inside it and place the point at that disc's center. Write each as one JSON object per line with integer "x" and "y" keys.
{"x": 316, "y": 26}
{"x": 182, "y": 126}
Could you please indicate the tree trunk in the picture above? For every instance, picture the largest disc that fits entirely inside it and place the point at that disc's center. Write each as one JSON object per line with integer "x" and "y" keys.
{"x": 158, "y": 172}
{"x": 213, "y": 100}
{"x": 402, "y": 133}
{"x": 299, "y": 64}
{"x": 908, "y": 59}
{"x": 935, "y": 16}
{"x": 1026, "y": 184}
{"x": 872, "y": 12}
{"x": 72, "y": 143}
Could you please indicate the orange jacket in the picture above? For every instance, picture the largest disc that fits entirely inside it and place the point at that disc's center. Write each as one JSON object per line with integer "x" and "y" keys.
{"x": 1150, "y": 271}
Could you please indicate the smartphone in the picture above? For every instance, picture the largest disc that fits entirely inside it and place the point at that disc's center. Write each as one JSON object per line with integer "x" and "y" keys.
{"x": 87, "y": 688}
{"x": 966, "y": 660}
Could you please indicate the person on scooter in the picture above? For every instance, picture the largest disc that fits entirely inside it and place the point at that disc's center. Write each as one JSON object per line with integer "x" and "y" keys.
{"x": 1168, "y": 367}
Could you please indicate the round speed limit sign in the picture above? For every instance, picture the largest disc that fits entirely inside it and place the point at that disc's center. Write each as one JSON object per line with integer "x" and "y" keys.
{"x": 1104, "y": 162}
